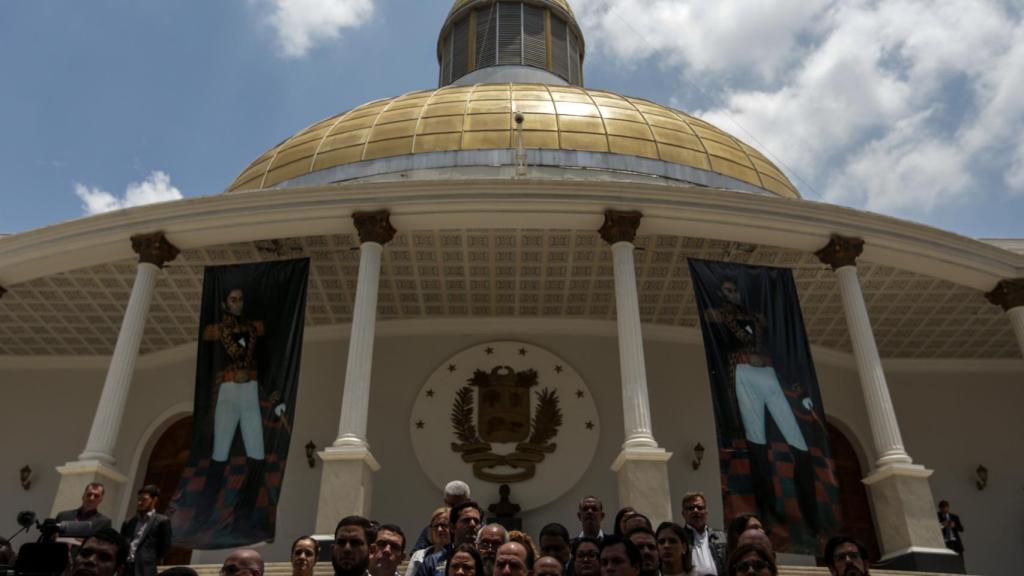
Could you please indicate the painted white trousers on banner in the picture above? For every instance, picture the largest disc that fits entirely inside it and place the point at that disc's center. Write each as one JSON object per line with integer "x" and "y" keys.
{"x": 238, "y": 404}
{"x": 757, "y": 388}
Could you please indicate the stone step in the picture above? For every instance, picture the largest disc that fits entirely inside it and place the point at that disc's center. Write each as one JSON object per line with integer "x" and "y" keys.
{"x": 324, "y": 569}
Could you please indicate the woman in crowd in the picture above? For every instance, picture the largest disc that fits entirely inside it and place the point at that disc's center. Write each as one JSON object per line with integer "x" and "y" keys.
{"x": 464, "y": 561}
{"x": 740, "y": 524}
{"x": 674, "y": 550}
{"x": 305, "y": 551}
{"x": 440, "y": 536}
{"x": 586, "y": 559}
{"x": 621, "y": 517}
{"x": 750, "y": 559}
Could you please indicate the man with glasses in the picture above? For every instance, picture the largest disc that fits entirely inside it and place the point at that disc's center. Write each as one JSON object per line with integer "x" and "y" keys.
{"x": 244, "y": 562}
{"x": 845, "y": 556}
{"x": 708, "y": 545}
{"x": 387, "y": 551}
{"x": 488, "y": 540}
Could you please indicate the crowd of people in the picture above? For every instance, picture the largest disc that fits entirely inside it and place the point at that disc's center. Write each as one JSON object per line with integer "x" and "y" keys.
{"x": 457, "y": 543}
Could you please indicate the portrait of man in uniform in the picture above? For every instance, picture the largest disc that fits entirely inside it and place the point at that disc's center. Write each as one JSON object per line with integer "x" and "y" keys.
{"x": 238, "y": 402}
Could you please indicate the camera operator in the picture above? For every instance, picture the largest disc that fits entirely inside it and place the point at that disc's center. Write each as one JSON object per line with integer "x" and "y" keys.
{"x": 88, "y": 511}
{"x": 105, "y": 553}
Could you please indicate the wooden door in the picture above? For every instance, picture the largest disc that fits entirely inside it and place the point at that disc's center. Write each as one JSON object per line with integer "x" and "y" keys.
{"x": 857, "y": 520}
{"x": 166, "y": 464}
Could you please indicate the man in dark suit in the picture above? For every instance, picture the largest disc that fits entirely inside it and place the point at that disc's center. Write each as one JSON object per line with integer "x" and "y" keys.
{"x": 148, "y": 534}
{"x": 88, "y": 511}
{"x": 951, "y": 528}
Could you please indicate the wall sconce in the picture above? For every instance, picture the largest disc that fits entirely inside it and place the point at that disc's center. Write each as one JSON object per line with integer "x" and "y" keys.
{"x": 311, "y": 454}
{"x": 26, "y": 477}
{"x": 698, "y": 451}
{"x": 981, "y": 477}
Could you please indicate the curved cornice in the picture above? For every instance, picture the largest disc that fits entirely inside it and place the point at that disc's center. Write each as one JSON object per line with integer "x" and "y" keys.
{"x": 668, "y": 209}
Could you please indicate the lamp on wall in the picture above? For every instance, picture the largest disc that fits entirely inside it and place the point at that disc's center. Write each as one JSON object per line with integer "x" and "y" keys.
{"x": 698, "y": 451}
{"x": 311, "y": 454}
{"x": 26, "y": 477}
{"x": 981, "y": 477}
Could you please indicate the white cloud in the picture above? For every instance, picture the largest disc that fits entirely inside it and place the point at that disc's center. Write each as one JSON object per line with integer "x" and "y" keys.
{"x": 893, "y": 105}
{"x": 155, "y": 188}
{"x": 300, "y": 24}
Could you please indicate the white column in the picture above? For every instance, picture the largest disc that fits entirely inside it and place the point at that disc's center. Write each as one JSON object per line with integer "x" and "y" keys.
{"x": 107, "y": 421}
{"x": 885, "y": 430}
{"x": 355, "y": 402}
{"x": 636, "y": 410}
{"x": 1017, "y": 320}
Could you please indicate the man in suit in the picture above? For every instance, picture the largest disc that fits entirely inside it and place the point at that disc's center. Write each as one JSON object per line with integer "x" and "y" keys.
{"x": 951, "y": 528}
{"x": 708, "y": 544}
{"x": 148, "y": 534}
{"x": 87, "y": 512}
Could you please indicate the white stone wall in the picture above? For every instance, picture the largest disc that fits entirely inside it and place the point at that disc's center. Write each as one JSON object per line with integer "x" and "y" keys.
{"x": 951, "y": 422}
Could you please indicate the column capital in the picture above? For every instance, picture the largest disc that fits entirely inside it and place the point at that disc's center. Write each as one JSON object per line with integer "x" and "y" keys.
{"x": 1008, "y": 294}
{"x": 154, "y": 249}
{"x": 620, "y": 226}
{"x": 374, "y": 226}
{"x": 841, "y": 251}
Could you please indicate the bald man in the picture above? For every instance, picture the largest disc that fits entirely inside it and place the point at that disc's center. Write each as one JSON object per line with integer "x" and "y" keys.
{"x": 513, "y": 559}
{"x": 243, "y": 561}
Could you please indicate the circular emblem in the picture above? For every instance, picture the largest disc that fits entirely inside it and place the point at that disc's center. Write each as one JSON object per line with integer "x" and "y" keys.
{"x": 505, "y": 413}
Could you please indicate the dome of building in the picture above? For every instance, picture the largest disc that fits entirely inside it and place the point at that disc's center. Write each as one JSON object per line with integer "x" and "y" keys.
{"x": 511, "y": 95}
{"x": 581, "y": 128}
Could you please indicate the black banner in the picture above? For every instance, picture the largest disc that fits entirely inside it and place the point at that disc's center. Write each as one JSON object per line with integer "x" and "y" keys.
{"x": 773, "y": 444}
{"x": 247, "y": 374}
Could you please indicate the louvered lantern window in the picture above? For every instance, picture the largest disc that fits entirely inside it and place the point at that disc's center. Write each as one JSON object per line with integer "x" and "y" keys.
{"x": 486, "y": 36}
{"x": 510, "y": 33}
{"x": 559, "y": 47}
{"x": 460, "y": 49}
{"x": 534, "y": 42}
{"x": 574, "y": 59}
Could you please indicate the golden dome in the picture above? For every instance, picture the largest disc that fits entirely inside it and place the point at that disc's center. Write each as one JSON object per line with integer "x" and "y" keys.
{"x": 480, "y": 117}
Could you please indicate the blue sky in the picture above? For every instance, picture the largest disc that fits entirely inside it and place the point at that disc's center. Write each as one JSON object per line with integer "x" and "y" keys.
{"x": 903, "y": 107}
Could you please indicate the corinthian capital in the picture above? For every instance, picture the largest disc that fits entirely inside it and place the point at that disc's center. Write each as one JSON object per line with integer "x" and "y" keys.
{"x": 374, "y": 226}
{"x": 841, "y": 251}
{"x": 1008, "y": 294}
{"x": 154, "y": 249}
{"x": 620, "y": 226}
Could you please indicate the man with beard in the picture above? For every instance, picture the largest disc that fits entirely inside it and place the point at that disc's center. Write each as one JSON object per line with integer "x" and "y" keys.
{"x": 243, "y": 562}
{"x": 105, "y": 553}
{"x": 644, "y": 540}
{"x": 554, "y": 542}
{"x": 350, "y": 554}
{"x": 387, "y": 551}
{"x": 619, "y": 557}
{"x": 148, "y": 534}
{"x": 488, "y": 540}
{"x": 845, "y": 556}
{"x": 464, "y": 521}
{"x": 590, "y": 515}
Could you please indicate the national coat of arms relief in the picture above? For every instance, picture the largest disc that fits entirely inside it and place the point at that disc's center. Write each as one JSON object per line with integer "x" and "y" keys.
{"x": 504, "y": 417}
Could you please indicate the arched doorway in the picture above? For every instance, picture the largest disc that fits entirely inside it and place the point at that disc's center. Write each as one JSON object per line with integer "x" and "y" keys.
{"x": 164, "y": 469}
{"x": 853, "y": 496}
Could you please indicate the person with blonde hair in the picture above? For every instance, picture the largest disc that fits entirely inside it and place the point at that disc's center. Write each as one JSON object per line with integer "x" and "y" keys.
{"x": 440, "y": 536}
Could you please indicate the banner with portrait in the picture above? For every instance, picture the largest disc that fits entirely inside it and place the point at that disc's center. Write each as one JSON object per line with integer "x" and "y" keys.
{"x": 773, "y": 445}
{"x": 247, "y": 374}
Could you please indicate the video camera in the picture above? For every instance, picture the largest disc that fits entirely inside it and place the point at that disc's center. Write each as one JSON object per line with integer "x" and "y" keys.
{"x": 46, "y": 556}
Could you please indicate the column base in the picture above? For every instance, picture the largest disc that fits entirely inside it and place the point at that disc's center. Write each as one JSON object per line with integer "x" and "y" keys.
{"x": 346, "y": 486}
{"x": 75, "y": 476}
{"x": 643, "y": 482}
{"x": 944, "y": 561}
{"x": 904, "y": 509}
